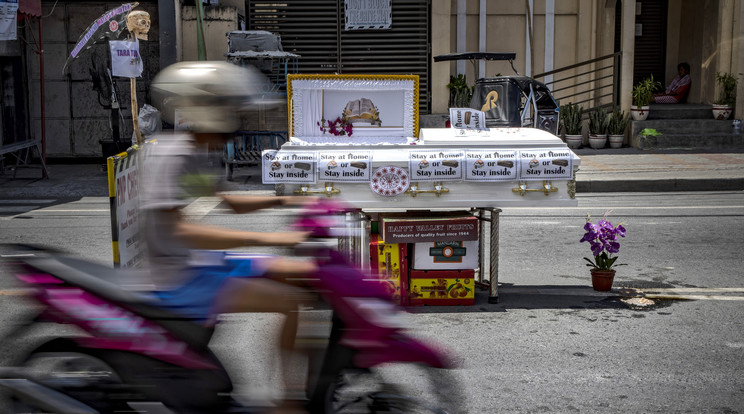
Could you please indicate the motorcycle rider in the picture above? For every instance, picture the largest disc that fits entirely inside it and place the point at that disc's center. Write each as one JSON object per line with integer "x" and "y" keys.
{"x": 190, "y": 276}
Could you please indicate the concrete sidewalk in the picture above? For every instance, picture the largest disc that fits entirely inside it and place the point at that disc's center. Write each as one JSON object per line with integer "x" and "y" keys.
{"x": 630, "y": 169}
{"x": 605, "y": 170}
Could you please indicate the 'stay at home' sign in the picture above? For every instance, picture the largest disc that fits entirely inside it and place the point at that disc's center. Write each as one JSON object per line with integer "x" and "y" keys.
{"x": 288, "y": 167}
{"x": 490, "y": 165}
{"x": 482, "y": 165}
{"x": 467, "y": 118}
{"x": 545, "y": 164}
{"x": 444, "y": 165}
{"x": 345, "y": 166}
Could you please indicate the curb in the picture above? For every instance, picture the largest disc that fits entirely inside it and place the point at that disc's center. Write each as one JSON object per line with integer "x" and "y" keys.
{"x": 660, "y": 185}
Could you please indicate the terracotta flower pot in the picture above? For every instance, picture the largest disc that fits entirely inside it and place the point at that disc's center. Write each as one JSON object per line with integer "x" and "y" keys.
{"x": 602, "y": 279}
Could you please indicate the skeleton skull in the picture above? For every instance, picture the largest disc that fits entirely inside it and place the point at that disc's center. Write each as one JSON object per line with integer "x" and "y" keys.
{"x": 138, "y": 23}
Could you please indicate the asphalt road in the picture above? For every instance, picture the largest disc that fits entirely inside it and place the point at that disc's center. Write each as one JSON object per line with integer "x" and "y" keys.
{"x": 549, "y": 345}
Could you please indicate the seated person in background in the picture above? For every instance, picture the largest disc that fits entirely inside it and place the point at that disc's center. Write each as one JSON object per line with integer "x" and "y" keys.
{"x": 677, "y": 91}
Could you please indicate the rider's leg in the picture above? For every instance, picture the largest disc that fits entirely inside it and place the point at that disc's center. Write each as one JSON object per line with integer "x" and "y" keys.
{"x": 252, "y": 294}
{"x": 263, "y": 295}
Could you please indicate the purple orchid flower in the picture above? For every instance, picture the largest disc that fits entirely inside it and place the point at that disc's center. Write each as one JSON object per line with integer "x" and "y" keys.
{"x": 603, "y": 241}
{"x": 620, "y": 230}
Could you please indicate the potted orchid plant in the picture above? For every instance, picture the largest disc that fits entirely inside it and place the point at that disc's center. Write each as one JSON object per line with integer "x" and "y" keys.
{"x": 603, "y": 239}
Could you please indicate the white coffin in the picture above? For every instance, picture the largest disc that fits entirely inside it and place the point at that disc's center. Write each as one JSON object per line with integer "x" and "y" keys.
{"x": 501, "y": 167}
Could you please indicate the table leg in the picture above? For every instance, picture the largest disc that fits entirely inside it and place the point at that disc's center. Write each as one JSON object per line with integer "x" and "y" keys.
{"x": 493, "y": 293}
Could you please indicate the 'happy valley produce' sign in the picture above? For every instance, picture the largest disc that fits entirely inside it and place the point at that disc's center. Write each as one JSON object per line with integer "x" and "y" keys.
{"x": 429, "y": 229}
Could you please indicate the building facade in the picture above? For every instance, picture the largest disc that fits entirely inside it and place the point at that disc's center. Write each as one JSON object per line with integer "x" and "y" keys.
{"x": 649, "y": 36}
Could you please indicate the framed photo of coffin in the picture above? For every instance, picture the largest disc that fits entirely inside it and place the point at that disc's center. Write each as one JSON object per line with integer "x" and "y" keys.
{"x": 353, "y": 109}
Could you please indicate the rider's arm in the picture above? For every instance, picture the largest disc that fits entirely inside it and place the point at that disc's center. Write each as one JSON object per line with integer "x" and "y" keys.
{"x": 200, "y": 236}
{"x": 246, "y": 204}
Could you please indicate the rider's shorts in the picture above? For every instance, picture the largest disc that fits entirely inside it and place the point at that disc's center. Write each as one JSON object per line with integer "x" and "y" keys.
{"x": 195, "y": 298}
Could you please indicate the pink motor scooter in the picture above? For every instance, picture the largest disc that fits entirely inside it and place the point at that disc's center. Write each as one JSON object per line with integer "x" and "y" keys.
{"x": 139, "y": 357}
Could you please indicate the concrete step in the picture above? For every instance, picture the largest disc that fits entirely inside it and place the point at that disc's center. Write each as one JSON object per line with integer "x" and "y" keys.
{"x": 680, "y": 111}
{"x": 719, "y": 141}
{"x": 684, "y": 126}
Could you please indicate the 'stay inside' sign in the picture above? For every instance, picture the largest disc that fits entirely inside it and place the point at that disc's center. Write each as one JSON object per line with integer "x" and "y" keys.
{"x": 545, "y": 164}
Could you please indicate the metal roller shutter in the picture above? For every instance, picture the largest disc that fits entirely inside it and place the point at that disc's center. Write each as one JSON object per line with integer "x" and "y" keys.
{"x": 314, "y": 29}
{"x": 650, "y": 47}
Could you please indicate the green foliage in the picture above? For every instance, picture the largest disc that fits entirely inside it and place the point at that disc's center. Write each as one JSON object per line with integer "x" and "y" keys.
{"x": 618, "y": 122}
{"x": 571, "y": 118}
{"x": 603, "y": 262}
{"x": 650, "y": 132}
{"x": 644, "y": 91}
{"x": 727, "y": 82}
{"x": 460, "y": 92}
{"x": 598, "y": 121}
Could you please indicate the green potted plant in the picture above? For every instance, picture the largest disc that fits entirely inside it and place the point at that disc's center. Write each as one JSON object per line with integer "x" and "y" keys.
{"x": 724, "y": 105}
{"x": 642, "y": 94}
{"x": 571, "y": 121}
{"x": 598, "y": 128}
{"x": 604, "y": 242}
{"x": 616, "y": 127}
{"x": 460, "y": 92}
{"x": 648, "y": 137}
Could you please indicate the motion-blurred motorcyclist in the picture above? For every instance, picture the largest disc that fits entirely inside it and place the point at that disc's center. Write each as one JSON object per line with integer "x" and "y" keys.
{"x": 190, "y": 276}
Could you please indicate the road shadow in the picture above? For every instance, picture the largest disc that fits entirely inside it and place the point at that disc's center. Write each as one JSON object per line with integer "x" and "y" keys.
{"x": 16, "y": 209}
{"x": 64, "y": 180}
{"x": 541, "y": 297}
